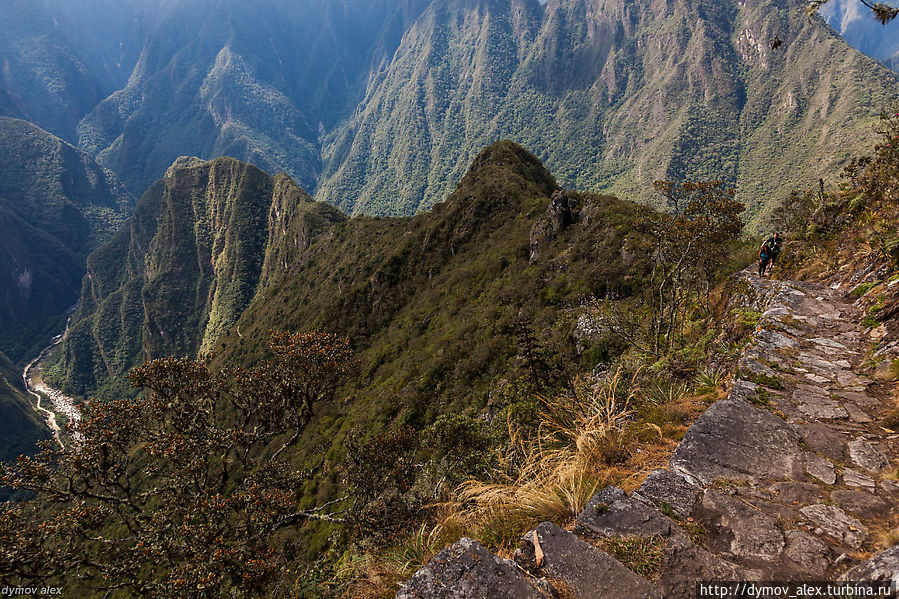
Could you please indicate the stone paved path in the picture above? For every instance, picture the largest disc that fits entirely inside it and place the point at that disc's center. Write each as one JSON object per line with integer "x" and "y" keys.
{"x": 788, "y": 478}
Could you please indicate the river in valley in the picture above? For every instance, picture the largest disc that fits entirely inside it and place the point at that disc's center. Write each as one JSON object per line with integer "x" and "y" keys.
{"x": 53, "y": 405}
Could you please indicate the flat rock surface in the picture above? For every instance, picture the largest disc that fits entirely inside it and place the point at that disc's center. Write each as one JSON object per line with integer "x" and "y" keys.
{"x": 685, "y": 563}
{"x": 861, "y": 503}
{"x": 587, "y": 572}
{"x": 666, "y": 489}
{"x": 804, "y": 493}
{"x": 820, "y": 468}
{"x": 735, "y": 528}
{"x": 808, "y": 553}
{"x": 468, "y": 571}
{"x": 736, "y": 440}
{"x": 865, "y": 456}
{"x": 853, "y": 478}
{"x": 835, "y": 523}
{"x": 612, "y": 512}
{"x": 823, "y": 440}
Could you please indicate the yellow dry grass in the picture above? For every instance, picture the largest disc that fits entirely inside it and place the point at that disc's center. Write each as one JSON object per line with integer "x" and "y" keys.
{"x": 553, "y": 474}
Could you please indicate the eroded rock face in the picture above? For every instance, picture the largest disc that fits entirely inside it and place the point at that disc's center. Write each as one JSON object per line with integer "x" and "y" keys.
{"x": 864, "y": 455}
{"x": 612, "y": 512}
{"x": 737, "y": 529}
{"x": 666, "y": 489}
{"x": 468, "y": 571}
{"x": 880, "y": 568}
{"x": 559, "y": 216}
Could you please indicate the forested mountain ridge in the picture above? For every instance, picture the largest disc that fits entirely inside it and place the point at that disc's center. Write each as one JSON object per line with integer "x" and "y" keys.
{"x": 611, "y": 96}
{"x": 379, "y": 107}
{"x": 181, "y": 270}
{"x": 168, "y": 284}
{"x": 56, "y": 206}
{"x": 255, "y": 81}
{"x": 60, "y": 58}
{"x": 437, "y": 335}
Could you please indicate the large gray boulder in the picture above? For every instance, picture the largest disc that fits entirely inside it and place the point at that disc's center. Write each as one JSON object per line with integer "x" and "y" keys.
{"x": 881, "y": 568}
{"x": 587, "y": 572}
{"x": 736, "y": 440}
{"x": 468, "y": 571}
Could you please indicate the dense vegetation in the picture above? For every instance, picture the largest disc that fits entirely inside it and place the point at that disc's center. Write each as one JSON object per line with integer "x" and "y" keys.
{"x": 257, "y": 82}
{"x": 480, "y": 331}
{"x": 56, "y": 206}
{"x": 183, "y": 268}
{"x": 379, "y": 107}
{"x": 157, "y": 497}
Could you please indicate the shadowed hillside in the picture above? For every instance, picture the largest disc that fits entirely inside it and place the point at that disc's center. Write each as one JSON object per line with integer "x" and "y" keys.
{"x": 56, "y": 206}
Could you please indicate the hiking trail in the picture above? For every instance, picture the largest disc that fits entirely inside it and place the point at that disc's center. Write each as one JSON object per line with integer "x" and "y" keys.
{"x": 790, "y": 477}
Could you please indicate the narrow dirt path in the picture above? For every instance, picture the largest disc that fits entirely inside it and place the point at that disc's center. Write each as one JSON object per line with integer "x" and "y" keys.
{"x": 790, "y": 477}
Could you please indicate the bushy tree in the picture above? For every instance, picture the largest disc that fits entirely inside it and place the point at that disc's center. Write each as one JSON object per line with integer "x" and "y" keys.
{"x": 178, "y": 493}
{"x": 690, "y": 243}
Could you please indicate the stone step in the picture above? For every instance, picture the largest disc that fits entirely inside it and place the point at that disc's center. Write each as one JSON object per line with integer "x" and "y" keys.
{"x": 467, "y": 570}
{"x": 585, "y": 571}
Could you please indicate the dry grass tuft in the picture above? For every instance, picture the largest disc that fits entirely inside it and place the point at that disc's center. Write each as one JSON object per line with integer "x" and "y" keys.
{"x": 552, "y": 474}
{"x": 889, "y": 538}
{"x": 368, "y": 575}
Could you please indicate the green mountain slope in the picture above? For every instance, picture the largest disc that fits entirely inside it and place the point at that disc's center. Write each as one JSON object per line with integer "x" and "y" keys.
{"x": 380, "y": 106}
{"x": 182, "y": 269}
{"x": 41, "y": 77}
{"x": 56, "y": 206}
{"x": 20, "y": 426}
{"x": 432, "y": 303}
{"x": 254, "y": 81}
{"x": 612, "y": 95}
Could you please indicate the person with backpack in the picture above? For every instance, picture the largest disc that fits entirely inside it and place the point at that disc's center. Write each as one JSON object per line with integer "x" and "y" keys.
{"x": 764, "y": 258}
{"x": 773, "y": 243}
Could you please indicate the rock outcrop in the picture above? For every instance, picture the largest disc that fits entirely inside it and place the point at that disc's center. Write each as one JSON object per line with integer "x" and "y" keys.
{"x": 785, "y": 479}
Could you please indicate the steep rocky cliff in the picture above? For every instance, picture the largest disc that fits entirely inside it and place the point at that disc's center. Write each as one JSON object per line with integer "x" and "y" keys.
{"x": 182, "y": 269}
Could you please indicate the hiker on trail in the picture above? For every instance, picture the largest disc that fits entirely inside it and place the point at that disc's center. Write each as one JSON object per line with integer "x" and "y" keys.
{"x": 764, "y": 258}
{"x": 773, "y": 243}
